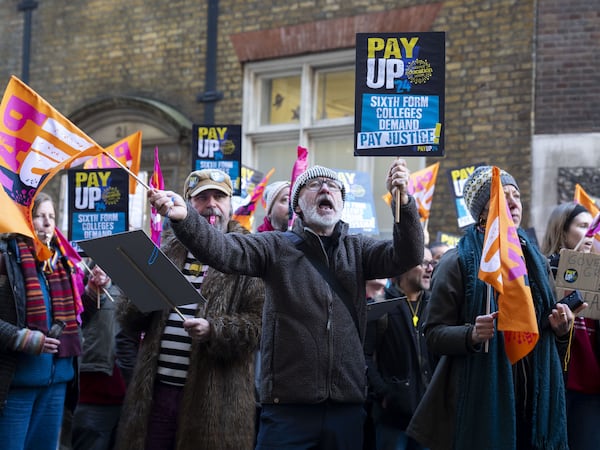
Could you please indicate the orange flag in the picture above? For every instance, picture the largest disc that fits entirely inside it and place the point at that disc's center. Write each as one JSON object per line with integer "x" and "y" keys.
{"x": 36, "y": 142}
{"x": 245, "y": 213}
{"x": 503, "y": 267}
{"x": 421, "y": 185}
{"x": 127, "y": 151}
{"x": 588, "y": 203}
{"x": 12, "y": 219}
{"x": 585, "y": 200}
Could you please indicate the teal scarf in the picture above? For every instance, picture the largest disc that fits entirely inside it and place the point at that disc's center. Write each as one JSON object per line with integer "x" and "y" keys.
{"x": 486, "y": 409}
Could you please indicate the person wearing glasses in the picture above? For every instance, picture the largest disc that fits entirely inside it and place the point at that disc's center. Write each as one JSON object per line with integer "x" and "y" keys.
{"x": 399, "y": 364}
{"x": 313, "y": 383}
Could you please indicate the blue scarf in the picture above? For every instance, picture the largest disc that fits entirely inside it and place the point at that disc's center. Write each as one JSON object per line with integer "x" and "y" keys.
{"x": 486, "y": 409}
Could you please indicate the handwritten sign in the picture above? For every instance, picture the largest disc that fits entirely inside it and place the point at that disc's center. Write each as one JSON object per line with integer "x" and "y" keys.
{"x": 581, "y": 271}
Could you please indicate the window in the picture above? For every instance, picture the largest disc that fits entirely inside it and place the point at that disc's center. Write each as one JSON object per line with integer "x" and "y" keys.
{"x": 307, "y": 101}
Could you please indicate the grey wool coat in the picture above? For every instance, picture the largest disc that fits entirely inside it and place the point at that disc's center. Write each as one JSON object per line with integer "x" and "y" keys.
{"x": 218, "y": 407}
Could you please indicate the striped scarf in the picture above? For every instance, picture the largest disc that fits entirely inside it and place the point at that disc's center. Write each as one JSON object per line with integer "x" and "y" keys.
{"x": 61, "y": 297}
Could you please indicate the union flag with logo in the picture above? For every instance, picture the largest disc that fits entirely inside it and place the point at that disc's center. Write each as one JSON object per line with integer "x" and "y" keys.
{"x": 503, "y": 267}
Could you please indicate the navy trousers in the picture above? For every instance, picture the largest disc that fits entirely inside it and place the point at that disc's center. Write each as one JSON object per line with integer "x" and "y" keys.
{"x": 322, "y": 426}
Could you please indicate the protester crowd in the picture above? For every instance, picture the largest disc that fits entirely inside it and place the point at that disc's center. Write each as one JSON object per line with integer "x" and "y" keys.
{"x": 273, "y": 353}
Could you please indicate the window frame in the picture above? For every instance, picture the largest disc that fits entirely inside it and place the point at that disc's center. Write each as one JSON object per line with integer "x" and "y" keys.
{"x": 306, "y": 130}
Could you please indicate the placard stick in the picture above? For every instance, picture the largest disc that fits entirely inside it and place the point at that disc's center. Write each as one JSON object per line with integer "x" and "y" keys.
{"x": 580, "y": 242}
{"x": 397, "y": 213}
{"x": 123, "y": 166}
{"x": 488, "y": 308}
{"x": 103, "y": 288}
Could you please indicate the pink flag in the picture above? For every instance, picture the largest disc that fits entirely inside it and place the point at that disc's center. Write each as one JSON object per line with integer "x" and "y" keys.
{"x": 300, "y": 167}
{"x": 594, "y": 227}
{"x": 77, "y": 274}
{"x": 156, "y": 181}
{"x": 301, "y": 163}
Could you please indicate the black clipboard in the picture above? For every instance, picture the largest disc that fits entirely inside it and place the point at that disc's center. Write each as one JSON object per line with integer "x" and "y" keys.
{"x": 377, "y": 309}
{"x": 142, "y": 271}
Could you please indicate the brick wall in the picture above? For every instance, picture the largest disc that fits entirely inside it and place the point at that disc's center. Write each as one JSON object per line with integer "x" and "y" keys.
{"x": 85, "y": 50}
{"x": 567, "y": 77}
{"x": 488, "y": 94}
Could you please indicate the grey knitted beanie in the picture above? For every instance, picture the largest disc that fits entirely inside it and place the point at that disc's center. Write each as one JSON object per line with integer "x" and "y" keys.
{"x": 310, "y": 174}
{"x": 477, "y": 188}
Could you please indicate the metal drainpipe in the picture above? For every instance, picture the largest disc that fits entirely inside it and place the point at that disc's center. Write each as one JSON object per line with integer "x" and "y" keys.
{"x": 27, "y": 6}
{"x": 211, "y": 95}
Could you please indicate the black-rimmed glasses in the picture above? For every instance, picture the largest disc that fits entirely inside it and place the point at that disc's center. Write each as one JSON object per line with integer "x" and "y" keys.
{"x": 317, "y": 184}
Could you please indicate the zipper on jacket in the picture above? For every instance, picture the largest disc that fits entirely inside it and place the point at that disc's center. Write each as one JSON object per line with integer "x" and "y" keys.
{"x": 329, "y": 325}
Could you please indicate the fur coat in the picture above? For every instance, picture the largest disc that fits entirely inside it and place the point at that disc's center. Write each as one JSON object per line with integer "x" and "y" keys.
{"x": 218, "y": 407}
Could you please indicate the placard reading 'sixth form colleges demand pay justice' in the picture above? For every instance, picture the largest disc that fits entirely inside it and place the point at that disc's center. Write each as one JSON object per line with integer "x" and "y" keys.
{"x": 399, "y": 108}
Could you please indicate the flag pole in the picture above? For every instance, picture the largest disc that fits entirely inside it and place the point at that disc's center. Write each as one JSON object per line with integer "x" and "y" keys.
{"x": 123, "y": 166}
{"x": 579, "y": 243}
{"x": 103, "y": 288}
{"x": 397, "y": 212}
{"x": 488, "y": 308}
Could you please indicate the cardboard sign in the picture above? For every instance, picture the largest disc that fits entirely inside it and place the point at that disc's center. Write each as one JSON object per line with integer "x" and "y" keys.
{"x": 142, "y": 271}
{"x": 581, "y": 271}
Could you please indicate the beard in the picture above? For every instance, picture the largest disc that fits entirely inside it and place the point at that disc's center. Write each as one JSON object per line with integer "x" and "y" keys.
{"x": 311, "y": 215}
{"x": 216, "y": 218}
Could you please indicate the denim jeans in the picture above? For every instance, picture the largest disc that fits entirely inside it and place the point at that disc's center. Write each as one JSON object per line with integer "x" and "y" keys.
{"x": 95, "y": 426}
{"x": 32, "y": 418}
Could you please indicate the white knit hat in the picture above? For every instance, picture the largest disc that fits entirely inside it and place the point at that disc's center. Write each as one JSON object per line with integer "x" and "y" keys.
{"x": 272, "y": 192}
{"x": 310, "y": 174}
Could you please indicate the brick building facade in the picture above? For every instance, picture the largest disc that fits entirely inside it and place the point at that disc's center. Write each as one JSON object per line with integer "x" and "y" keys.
{"x": 512, "y": 72}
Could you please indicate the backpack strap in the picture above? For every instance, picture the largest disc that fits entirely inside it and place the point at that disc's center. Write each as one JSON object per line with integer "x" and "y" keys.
{"x": 327, "y": 275}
